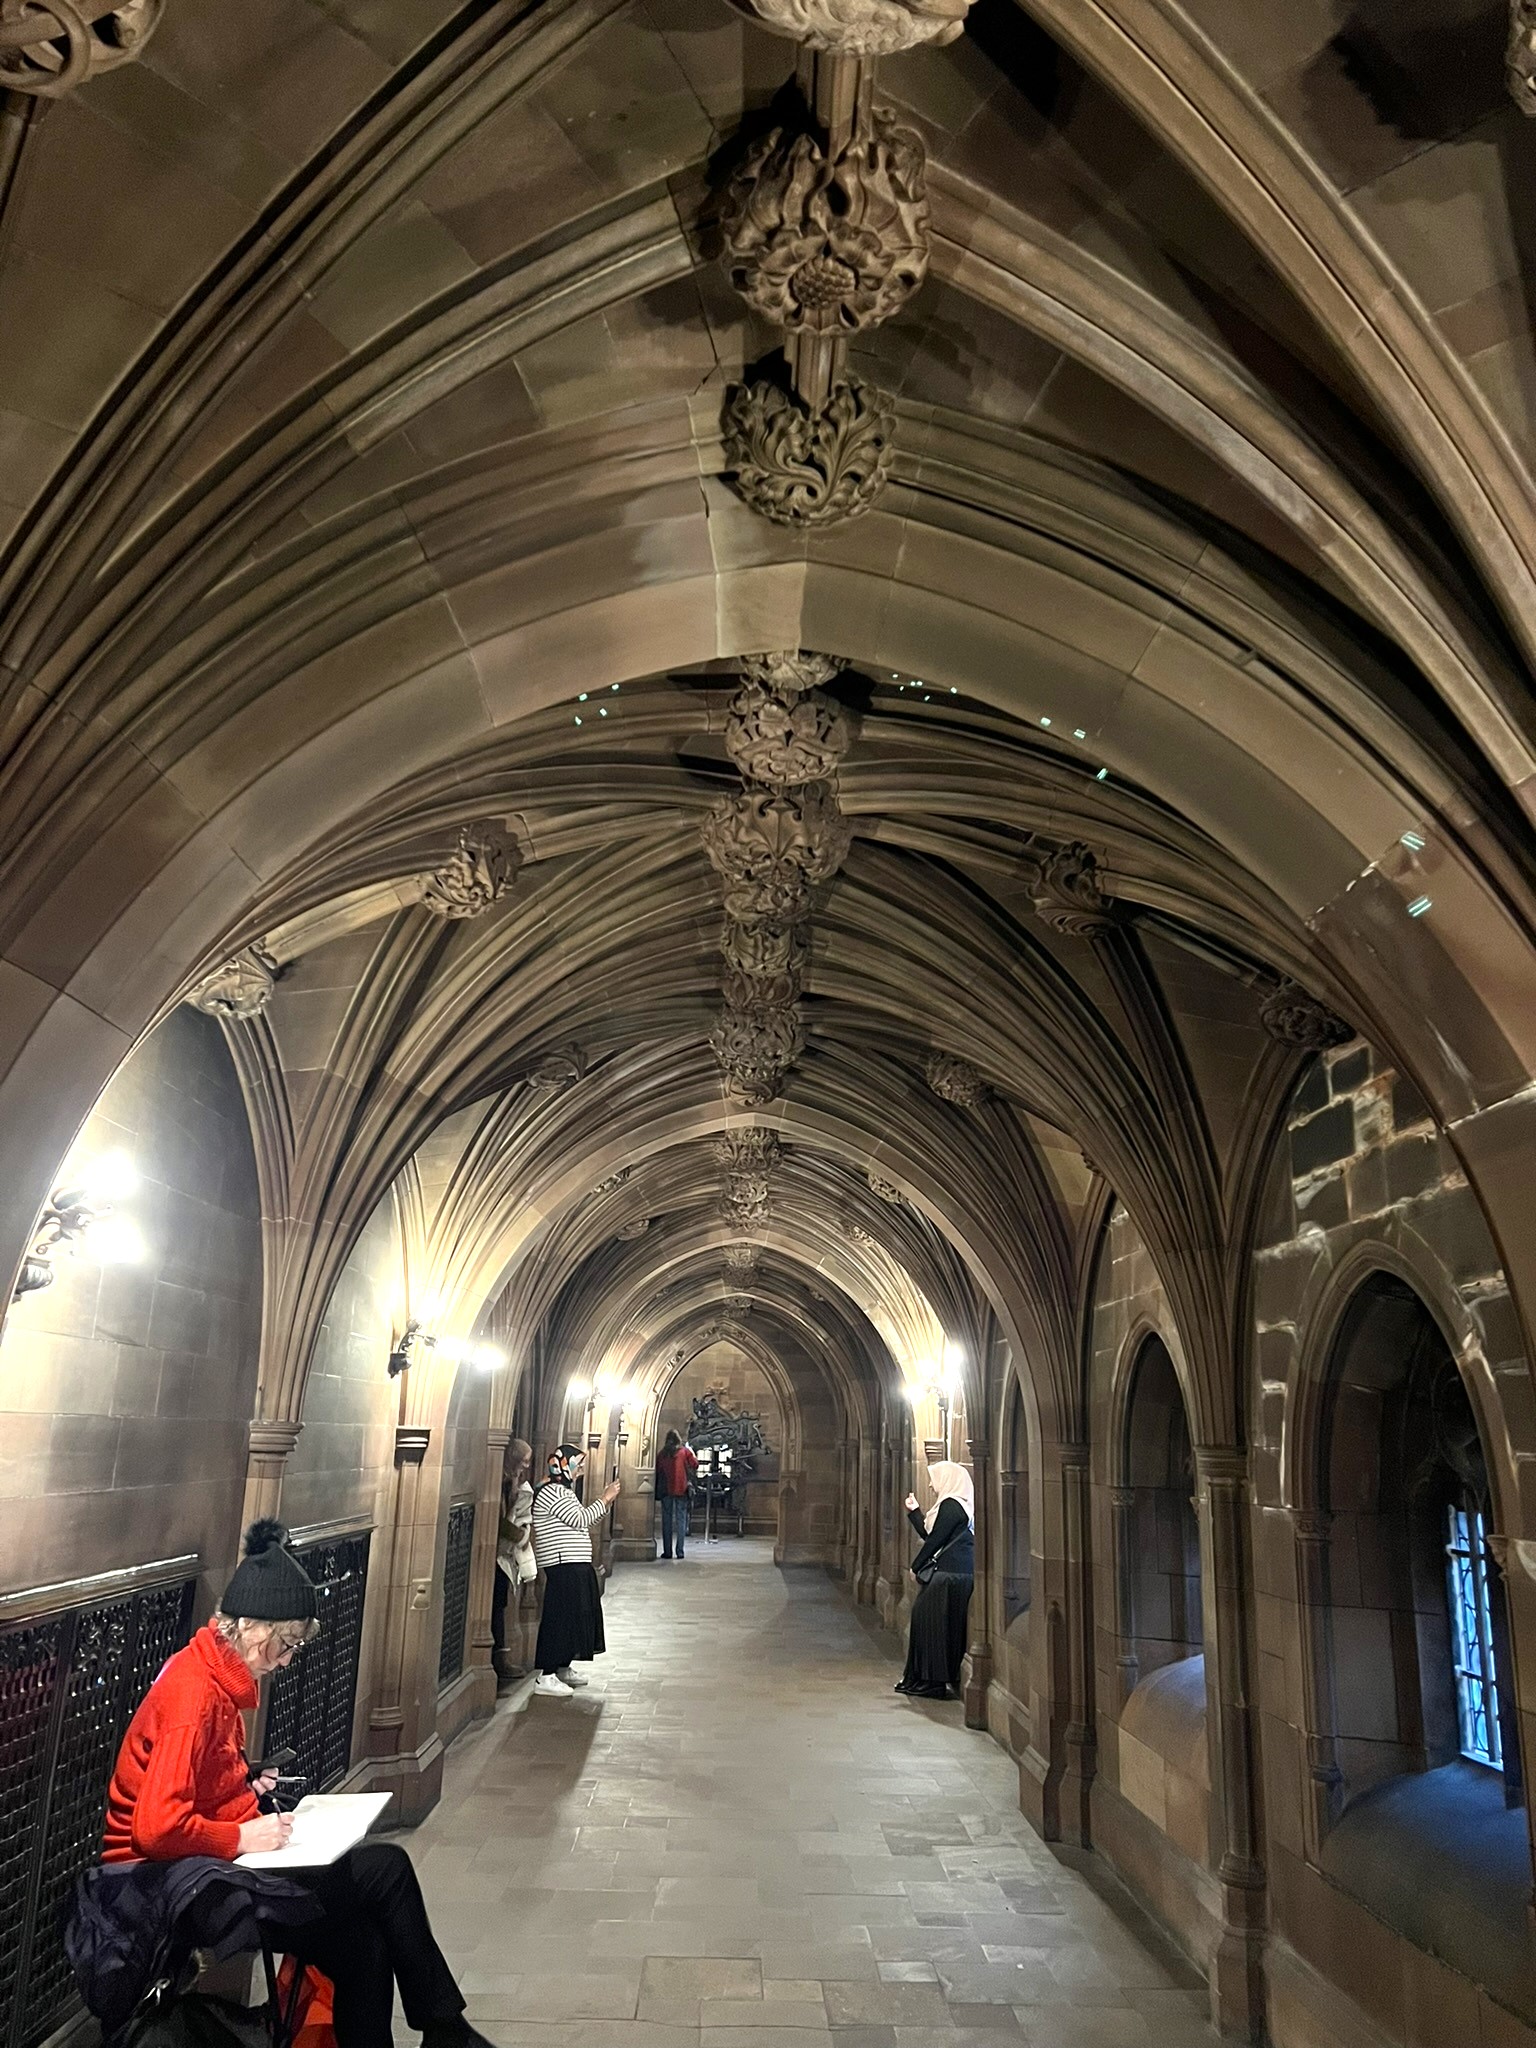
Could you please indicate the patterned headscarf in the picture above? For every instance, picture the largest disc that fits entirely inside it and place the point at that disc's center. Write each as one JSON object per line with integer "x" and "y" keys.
{"x": 563, "y": 1463}
{"x": 952, "y": 1482}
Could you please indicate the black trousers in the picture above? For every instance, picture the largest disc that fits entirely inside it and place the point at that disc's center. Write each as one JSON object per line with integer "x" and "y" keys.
{"x": 375, "y": 1934}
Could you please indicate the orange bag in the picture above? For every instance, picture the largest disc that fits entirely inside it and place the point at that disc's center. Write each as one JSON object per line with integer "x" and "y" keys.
{"x": 313, "y": 2024}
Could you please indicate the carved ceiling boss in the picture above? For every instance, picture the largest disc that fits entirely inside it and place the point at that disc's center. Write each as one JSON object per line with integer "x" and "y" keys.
{"x": 239, "y": 989}
{"x": 864, "y": 28}
{"x": 47, "y": 47}
{"x": 478, "y": 873}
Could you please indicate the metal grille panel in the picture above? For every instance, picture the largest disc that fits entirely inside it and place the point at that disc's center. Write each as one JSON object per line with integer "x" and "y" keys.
{"x": 461, "y": 1547}
{"x": 69, "y": 1684}
{"x": 312, "y": 1702}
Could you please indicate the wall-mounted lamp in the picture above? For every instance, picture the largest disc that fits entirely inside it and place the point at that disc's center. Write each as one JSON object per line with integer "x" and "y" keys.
{"x": 457, "y": 1350}
{"x": 79, "y": 1217}
{"x": 941, "y": 1386}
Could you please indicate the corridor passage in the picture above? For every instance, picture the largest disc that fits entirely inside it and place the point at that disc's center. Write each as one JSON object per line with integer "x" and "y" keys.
{"x": 739, "y": 1837}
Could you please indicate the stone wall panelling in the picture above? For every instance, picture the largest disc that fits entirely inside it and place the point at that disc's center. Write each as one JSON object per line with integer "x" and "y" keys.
{"x": 125, "y": 1389}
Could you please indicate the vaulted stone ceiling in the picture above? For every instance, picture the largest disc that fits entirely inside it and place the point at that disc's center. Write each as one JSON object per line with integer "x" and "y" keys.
{"x": 365, "y": 382}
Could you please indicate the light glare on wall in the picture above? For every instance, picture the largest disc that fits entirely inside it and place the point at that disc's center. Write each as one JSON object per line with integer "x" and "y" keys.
{"x": 116, "y": 1242}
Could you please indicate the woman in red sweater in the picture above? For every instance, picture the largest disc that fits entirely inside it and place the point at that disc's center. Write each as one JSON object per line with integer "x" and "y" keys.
{"x": 183, "y": 1787}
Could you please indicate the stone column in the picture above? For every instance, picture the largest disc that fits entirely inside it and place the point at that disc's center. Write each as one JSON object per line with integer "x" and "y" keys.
{"x": 269, "y": 1447}
{"x": 402, "y": 1728}
{"x": 1080, "y": 1736}
{"x": 1237, "y": 1971}
{"x": 978, "y": 1677}
{"x": 1122, "y": 1504}
{"x": 1057, "y": 1769}
{"x": 482, "y": 1569}
{"x": 1325, "y": 1779}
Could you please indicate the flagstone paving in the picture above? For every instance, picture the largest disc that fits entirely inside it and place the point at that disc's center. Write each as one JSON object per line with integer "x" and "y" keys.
{"x": 738, "y": 1836}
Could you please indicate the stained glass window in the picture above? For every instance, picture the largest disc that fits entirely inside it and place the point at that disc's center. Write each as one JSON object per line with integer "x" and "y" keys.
{"x": 1477, "y": 1694}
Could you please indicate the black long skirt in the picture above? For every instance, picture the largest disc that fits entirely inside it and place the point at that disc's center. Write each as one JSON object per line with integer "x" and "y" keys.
{"x": 937, "y": 1636}
{"x": 571, "y": 1624}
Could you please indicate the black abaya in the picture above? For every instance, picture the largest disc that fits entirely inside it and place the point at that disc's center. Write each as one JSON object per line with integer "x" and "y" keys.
{"x": 936, "y": 1638}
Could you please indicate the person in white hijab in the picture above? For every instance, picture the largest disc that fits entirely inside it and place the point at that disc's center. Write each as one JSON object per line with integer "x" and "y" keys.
{"x": 945, "y": 1568}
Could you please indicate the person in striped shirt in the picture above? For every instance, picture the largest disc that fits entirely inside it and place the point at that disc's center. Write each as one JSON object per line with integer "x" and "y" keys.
{"x": 571, "y": 1624}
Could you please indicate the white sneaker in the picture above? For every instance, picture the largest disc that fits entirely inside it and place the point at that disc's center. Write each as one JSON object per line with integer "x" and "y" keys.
{"x": 573, "y": 1679}
{"x": 552, "y": 1686}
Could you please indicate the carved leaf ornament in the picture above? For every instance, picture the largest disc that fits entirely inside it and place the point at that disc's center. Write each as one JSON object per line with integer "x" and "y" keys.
{"x": 239, "y": 989}
{"x": 786, "y": 744}
{"x": 1293, "y": 1016}
{"x": 478, "y": 873}
{"x": 757, "y": 835}
{"x": 865, "y": 28}
{"x": 829, "y": 244}
{"x": 788, "y": 671}
{"x": 1521, "y": 57}
{"x": 803, "y": 467}
{"x": 47, "y": 47}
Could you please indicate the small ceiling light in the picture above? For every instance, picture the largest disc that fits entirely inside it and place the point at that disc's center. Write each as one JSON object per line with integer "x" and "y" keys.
{"x": 582, "y": 698}
{"x": 1102, "y": 776}
{"x": 1413, "y": 841}
{"x": 602, "y": 710}
{"x": 1045, "y": 721}
{"x": 613, "y": 686}
{"x": 577, "y": 719}
{"x": 954, "y": 689}
{"x": 1418, "y": 906}
{"x": 1078, "y": 733}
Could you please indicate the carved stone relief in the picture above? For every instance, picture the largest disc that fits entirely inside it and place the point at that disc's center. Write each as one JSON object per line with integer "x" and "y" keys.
{"x": 884, "y": 1190}
{"x": 955, "y": 1081}
{"x": 629, "y": 1233}
{"x": 1067, "y": 895}
{"x": 757, "y": 1047}
{"x": 829, "y": 243}
{"x": 241, "y": 988}
{"x": 478, "y": 873}
{"x": 757, "y": 836}
{"x": 1521, "y": 56}
{"x": 808, "y": 466}
{"x": 614, "y": 1180}
{"x": 47, "y": 47}
{"x": 785, "y": 744}
{"x": 741, "y": 1260}
{"x": 554, "y": 1072}
{"x": 787, "y": 671}
{"x": 865, "y": 28}
{"x": 1293, "y": 1016}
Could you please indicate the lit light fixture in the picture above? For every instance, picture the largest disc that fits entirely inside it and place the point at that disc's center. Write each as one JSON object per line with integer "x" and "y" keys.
{"x": 579, "y": 1390}
{"x": 456, "y": 1350}
{"x": 79, "y": 1218}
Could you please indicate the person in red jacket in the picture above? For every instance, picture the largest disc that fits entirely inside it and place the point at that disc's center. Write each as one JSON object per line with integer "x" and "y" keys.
{"x": 183, "y": 1787}
{"x": 674, "y": 1476}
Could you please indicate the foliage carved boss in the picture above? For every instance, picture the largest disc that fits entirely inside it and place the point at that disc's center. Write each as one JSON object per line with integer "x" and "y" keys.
{"x": 829, "y": 244}
{"x": 1521, "y": 58}
{"x": 862, "y": 28}
{"x": 47, "y": 47}
{"x": 800, "y": 465}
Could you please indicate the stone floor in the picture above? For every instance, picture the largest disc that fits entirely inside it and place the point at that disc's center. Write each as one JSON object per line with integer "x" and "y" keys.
{"x": 740, "y": 1837}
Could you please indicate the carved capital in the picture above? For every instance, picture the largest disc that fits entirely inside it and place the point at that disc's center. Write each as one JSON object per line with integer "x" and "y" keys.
{"x": 411, "y": 1444}
{"x": 956, "y": 1081}
{"x": 272, "y": 1439}
{"x": 884, "y": 1190}
{"x": 864, "y": 28}
{"x": 1221, "y": 1465}
{"x": 1294, "y": 1017}
{"x": 242, "y": 987}
{"x": 808, "y": 466}
{"x": 478, "y": 873}
{"x": 48, "y": 47}
{"x": 631, "y": 1232}
{"x": 829, "y": 244}
{"x": 1311, "y": 1526}
{"x": 741, "y": 1260}
{"x": 1068, "y": 897}
{"x": 1123, "y": 1498}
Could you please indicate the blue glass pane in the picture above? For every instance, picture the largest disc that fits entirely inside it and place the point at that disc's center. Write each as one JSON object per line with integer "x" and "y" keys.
{"x": 1472, "y": 1629}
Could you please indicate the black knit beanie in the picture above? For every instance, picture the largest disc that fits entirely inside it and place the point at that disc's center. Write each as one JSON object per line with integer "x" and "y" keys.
{"x": 269, "y": 1584}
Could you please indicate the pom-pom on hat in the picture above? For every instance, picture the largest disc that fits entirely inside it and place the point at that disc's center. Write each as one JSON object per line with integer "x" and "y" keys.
{"x": 269, "y": 1583}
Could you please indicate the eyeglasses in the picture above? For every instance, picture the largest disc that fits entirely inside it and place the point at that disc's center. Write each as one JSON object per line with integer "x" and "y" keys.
{"x": 296, "y": 1638}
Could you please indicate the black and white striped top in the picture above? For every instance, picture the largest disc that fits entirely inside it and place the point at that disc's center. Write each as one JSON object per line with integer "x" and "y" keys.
{"x": 562, "y": 1526}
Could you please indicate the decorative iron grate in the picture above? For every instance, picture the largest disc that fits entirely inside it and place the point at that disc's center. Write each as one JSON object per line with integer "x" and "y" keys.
{"x": 461, "y": 1546}
{"x": 311, "y": 1704}
{"x": 69, "y": 1684}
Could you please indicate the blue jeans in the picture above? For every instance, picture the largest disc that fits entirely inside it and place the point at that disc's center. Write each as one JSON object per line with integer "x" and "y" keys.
{"x": 674, "y": 1516}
